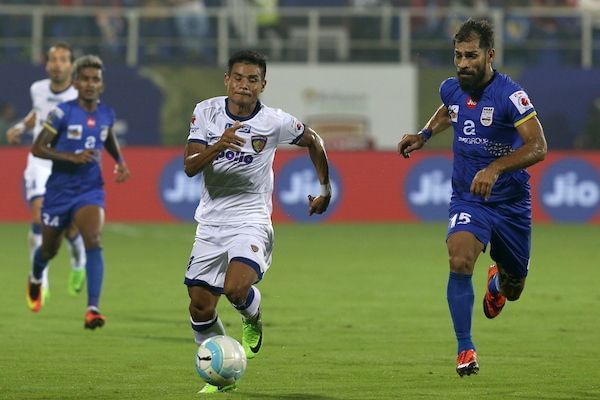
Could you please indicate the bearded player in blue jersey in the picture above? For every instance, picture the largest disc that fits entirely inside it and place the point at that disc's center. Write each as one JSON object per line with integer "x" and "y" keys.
{"x": 73, "y": 137}
{"x": 496, "y": 136}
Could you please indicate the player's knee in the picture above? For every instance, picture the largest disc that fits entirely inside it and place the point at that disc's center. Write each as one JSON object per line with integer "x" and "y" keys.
{"x": 461, "y": 264}
{"x": 92, "y": 241}
{"x": 512, "y": 293}
{"x": 48, "y": 252}
{"x": 201, "y": 312}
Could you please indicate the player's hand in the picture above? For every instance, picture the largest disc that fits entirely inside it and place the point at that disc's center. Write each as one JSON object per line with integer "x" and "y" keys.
{"x": 86, "y": 156}
{"x": 229, "y": 140}
{"x": 484, "y": 181}
{"x": 121, "y": 172}
{"x": 13, "y": 135}
{"x": 318, "y": 205}
{"x": 410, "y": 143}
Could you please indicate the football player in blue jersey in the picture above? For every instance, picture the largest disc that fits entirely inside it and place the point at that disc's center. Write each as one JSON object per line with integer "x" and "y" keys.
{"x": 73, "y": 137}
{"x": 45, "y": 95}
{"x": 496, "y": 136}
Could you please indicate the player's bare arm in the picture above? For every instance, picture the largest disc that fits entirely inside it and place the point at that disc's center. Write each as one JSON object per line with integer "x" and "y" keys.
{"x": 111, "y": 145}
{"x": 13, "y": 135}
{"x": 439, "y": 122}
{"x": 533, "y": 151}
{"x": 41, "y": 148}
{"x": 318, "y": 156}
{"x": 197, "y": 155}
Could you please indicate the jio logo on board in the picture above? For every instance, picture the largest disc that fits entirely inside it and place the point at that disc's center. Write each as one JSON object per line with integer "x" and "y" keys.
{"x": 179, "y": 193}
{"x": 570, "y": 190}
{"x": 296, "y": 180}
{"x": 428, "y": 188}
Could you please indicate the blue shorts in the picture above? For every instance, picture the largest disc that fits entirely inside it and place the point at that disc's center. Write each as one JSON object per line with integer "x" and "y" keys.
{"x": 59, "y": 209}
{"x": 506, "y": 227}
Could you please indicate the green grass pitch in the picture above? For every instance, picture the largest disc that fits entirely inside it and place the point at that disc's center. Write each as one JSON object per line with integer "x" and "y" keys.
{"x": 350, "y": 312}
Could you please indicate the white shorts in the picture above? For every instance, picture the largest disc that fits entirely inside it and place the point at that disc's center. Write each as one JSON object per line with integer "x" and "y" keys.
{"x": 216, "y": 246}
{"x": 36, "y": 175}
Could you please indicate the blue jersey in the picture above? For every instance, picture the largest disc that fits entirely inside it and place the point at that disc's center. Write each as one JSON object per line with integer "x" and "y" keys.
{"x": 484, "y": 130}
{"x": 77, "y": 130}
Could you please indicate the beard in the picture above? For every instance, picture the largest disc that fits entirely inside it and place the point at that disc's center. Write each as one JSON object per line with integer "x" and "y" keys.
{"x": 471, "y": 83}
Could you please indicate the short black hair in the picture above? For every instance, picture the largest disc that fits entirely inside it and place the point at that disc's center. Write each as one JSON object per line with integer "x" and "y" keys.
{"x": 472, "y": 29}
{"x": 88, "y": 61}
{"x": 61, "y": 45}
{"x": 249, "y": 57}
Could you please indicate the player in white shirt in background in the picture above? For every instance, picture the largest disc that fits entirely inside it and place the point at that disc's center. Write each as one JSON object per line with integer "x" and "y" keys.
{"x": 232, "y": 143}
{"x": 45, "y": 95}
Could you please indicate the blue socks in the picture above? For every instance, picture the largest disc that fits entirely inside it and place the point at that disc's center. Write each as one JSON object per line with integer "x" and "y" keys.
{"x": 36, "y": 229}
{"x": 39, "y": 265}
{"x": 460, "y": 301}
{"x": 94, "y": 267}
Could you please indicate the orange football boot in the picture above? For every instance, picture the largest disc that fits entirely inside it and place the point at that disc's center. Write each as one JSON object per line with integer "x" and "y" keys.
{"x": 492, "y": 303}
{"x": 466, "y": 363}
{"x": 93, "y": 319}
{"x": 34, "y": 295}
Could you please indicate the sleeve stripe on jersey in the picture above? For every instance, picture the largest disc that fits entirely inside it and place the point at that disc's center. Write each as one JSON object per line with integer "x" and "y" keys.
{"x": 50, "y": 128}
{"x": 525, "y": 118}
{"x": 295, "y": 141}
{"x": 204, "y": 142}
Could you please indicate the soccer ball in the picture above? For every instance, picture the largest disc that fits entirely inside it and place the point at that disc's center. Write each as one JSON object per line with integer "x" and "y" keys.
{"x": 220, "y": 360}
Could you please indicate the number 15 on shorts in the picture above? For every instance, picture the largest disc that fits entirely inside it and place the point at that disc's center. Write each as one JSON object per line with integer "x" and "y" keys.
{"x": 460, "y": 219}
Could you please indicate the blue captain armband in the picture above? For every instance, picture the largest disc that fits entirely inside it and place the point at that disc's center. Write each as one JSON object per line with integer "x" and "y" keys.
{"x": 425, "y": 133}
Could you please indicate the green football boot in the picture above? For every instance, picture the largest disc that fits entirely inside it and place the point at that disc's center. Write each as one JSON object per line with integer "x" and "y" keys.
{"x": 208, "y": 389}
{"x": 252, "y": 336}
{"x": 76, "y": 281}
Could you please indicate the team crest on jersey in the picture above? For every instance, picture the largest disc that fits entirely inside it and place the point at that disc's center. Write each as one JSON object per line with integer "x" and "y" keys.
{"x": 487, "y": 116}
{"x": 521, "y": 101}
{"x": 297, "y": 126}
{"x": 453, "y": 112}
{"x": 74, "y": 132}
{"x": 259, "y": 143}
{"x": 471, "y": 103}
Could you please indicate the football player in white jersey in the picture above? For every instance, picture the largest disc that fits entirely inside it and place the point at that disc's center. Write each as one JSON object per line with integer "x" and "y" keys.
{"x": 232, "y": 143}
{"x": 45, "y": 95}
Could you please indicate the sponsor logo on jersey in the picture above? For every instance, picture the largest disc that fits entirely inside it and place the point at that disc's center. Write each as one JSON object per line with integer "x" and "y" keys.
{"x": 193, "y": 120}
{"x": 471, "y": 104}
{"x": 487, "y": 116}
{"x": 104, "y": 132}
{"x": 258, "y": 143}
{"x": 521, "y": 101}
{"x": 296, "y": 180}
{"x": 74, "y": 132}
{"x": 235, "y": 156}
{"x": 570, "y": 190}
{"x": 179, "y": 193}
{"x": 243, "y": 129}
{"x": 91, "y": 121}
{"x": 428, "y": 188}
{"x": 453, "y": 112}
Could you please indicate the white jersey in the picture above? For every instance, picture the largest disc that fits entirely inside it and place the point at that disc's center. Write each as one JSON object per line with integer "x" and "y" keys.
{"x": 43, "y": 100}
{"x": 237, "y": 186}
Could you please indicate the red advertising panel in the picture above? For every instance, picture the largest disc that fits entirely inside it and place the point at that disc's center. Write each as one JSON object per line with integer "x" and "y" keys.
{"x": 368, "y": 187}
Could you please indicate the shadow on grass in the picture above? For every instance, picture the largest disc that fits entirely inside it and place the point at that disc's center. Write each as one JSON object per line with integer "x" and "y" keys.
{"x": 289, "y": 396}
